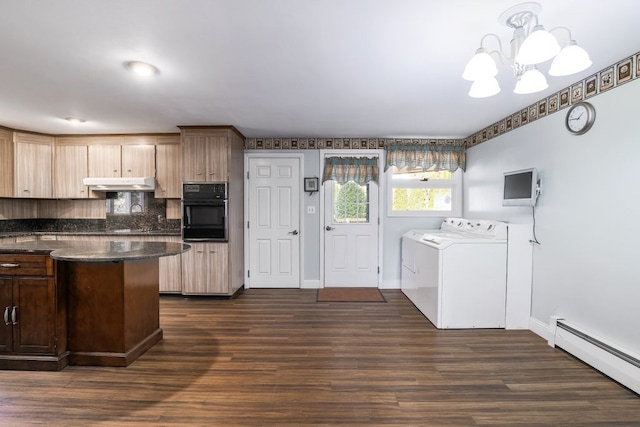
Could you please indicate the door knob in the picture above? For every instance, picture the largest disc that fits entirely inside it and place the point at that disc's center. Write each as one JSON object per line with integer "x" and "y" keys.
{"x": 294, "y": 232}
{"x": 329, "y": 228}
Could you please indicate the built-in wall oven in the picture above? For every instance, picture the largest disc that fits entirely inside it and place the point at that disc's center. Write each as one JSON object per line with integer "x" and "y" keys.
{"x": 204, "y": 212}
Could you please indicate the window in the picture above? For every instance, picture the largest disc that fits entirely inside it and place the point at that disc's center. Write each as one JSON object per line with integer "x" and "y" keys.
{"x": 424, "y": 194}
{"x": 350, "y": 203}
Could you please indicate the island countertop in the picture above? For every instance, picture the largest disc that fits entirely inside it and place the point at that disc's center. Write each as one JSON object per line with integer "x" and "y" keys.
{"x": 110, "y": 251}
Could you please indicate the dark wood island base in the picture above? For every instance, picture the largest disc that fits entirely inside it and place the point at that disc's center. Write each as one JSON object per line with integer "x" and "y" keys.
{"x": 113, "y": 311}
{"x": 75, "y": 303}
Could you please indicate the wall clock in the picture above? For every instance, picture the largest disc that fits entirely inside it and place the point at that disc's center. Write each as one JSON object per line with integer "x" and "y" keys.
{"x": 580, "y": 118}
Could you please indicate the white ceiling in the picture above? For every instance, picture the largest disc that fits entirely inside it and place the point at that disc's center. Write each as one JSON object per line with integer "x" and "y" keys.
{"x": 286, "y": 68}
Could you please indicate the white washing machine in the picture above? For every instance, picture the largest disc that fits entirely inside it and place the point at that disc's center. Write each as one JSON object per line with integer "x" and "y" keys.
{"x": 459, "y": 273}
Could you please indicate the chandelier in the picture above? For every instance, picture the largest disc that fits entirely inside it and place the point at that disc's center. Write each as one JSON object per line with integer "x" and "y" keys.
{"x": 531, "y": 45}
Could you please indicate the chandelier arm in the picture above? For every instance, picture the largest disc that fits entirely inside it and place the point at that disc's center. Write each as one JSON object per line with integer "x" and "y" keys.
{"x": 504, "y": 60}
{"x": 500, "y": 50}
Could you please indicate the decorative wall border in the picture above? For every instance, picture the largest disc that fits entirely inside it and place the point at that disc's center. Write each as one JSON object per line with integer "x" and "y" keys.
{"x": 339, "y": 143}
{"x": 606, "y": 79}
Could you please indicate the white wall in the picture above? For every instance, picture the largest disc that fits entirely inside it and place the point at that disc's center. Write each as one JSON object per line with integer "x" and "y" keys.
{"x": 587, "y": 268}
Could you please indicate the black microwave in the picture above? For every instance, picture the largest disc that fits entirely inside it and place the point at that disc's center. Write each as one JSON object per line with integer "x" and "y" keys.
{"x": 204, "y": 212}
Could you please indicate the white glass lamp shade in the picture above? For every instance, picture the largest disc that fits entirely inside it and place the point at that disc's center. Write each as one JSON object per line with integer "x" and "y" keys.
{"x": 484, "y": 88}
{"x": 571, "y": 59}
{"x": 539, "y": 46}
{"x": 480, "y": 66}
{"x": 531, "y": 81}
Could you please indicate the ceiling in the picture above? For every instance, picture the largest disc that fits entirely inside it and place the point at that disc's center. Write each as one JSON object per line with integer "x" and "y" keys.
{"x": 276, "y": 68}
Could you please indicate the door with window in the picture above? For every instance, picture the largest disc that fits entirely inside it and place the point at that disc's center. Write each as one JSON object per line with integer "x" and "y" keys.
{"x": 274, "y": 222}
{"x": 350, "y": 234}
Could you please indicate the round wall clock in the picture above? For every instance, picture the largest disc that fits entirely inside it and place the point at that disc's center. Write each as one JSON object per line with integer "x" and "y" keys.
{"x": 580, "y": 118}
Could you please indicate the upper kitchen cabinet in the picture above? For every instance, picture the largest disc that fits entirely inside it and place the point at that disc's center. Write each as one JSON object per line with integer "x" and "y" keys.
{"x": 6, "y": 163}
{"x": 104, "y": 156}
{"x": 169, "y": 167}
{"x": 70, "y": 167}
{"x": 33, "y": 160}
{"x": 207, "y": 152}
{"x": 117, "y": 156}
{"x": 139, "y": 156}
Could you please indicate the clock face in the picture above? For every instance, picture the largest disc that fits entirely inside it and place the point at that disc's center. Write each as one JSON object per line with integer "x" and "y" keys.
{"x": 580, "y": 118}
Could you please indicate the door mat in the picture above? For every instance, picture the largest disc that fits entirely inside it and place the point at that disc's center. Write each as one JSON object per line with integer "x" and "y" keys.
{"x": 350, "y": 295}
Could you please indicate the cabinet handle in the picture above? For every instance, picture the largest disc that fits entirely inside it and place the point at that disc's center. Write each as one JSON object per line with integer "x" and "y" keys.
{"x": 6, "y": 316}
{"x": 9, "y": 265}
{"x": 14, "y": 315}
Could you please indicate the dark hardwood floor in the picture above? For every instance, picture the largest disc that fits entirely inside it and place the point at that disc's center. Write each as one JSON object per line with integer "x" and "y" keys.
{"x": 279, "y": 358}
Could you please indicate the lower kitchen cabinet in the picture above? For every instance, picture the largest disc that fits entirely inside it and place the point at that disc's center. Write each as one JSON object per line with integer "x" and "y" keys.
{"x": 33, "y": 329}
{"x": 171, "y": 274}
{"x": 205, "y": 269}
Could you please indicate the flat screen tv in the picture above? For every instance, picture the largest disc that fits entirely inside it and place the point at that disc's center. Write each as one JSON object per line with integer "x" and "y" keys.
{"x": 521, "y": 188}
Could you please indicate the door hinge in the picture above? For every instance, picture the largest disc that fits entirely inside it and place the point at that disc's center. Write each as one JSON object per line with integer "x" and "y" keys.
{"x": 378, "y": 270}
{"x": 248, "y": 273}
{"x": 247, "y": 224}
{"x": 247, "y": 174}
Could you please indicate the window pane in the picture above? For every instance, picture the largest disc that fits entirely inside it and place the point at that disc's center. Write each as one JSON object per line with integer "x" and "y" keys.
{"x": 350, "y": 203}
{"x": 421, "y": 199}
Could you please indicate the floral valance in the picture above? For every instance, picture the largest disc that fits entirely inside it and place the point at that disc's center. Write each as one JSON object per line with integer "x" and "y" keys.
{"x": 361, "y": 170}
{"x": 428, "y": 157}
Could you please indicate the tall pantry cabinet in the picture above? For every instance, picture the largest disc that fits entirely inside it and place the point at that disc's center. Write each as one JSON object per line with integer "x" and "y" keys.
{"x": 215, "y": 154}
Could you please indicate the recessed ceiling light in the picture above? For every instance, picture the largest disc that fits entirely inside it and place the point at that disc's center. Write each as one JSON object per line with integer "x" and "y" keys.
{"x": 142, "y": 68}
{"x": 75, "y": 120}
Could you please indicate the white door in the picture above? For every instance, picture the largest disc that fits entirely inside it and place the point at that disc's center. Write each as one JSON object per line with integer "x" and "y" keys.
{"x": 350, "y": 235}
{"x": 274, "y": 222}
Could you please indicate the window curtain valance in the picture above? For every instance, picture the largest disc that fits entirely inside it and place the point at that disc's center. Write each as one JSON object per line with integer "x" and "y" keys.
{"x": 361, "y": 170}
{"x": 428, "y": 157}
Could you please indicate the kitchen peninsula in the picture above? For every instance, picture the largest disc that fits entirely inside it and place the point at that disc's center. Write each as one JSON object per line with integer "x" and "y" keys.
{"x": 79, "y": 303}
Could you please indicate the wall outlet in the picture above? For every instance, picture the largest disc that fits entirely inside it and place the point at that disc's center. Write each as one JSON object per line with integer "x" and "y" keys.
{"x": 311, "y": 210}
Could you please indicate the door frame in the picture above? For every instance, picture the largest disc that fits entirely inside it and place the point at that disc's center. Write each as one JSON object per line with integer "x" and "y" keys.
{"x": 262, "y": 155}
{"x": 381, "y": 206}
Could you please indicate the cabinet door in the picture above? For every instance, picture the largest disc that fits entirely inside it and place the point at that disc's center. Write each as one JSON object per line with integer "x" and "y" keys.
{"x": 205, "y": 269}
{"x": 171, "y": 274}
{"x": 194, "y": 160}
{"x": 217, "y": 155}
{"x": 104, "y": 160}
{"x": 71, "y": 166}
{"x": 169, "y": 171}
{"x": 34, "y": 299}
{"x": 138, "y": 160}
{"x": 33, "y": 170}
{"x": 6, "y": 305}
{"x": 6, "y": 163}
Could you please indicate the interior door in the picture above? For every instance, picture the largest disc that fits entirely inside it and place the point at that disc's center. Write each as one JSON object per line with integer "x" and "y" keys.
{"x": 274, "y": 222}
{"x": 350, "y": 235}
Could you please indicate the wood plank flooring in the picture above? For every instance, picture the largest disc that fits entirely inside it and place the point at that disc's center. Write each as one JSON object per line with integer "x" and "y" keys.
{"x": 279, "y": 358}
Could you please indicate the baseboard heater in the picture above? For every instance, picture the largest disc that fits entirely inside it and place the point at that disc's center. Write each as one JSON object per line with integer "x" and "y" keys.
{"x": 613, "y": 361}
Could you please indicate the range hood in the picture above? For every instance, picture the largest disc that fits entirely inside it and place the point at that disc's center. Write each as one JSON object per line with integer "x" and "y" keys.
{"x": 121, "y": 184}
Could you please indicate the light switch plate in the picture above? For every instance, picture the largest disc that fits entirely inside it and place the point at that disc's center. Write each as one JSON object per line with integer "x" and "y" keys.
{"x": 311, "y": 209}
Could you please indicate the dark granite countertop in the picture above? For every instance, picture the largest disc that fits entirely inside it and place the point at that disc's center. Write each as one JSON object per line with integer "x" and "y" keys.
{"x": 97, "y": 251}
